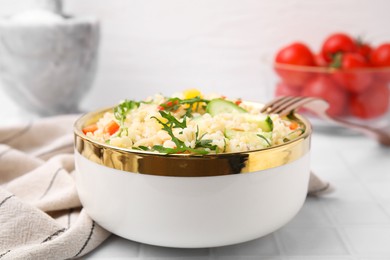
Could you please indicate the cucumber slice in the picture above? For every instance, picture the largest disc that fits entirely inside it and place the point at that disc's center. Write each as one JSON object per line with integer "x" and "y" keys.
{"x": 229, "y": 133}
{"x": 254, "y": 136}
{"x": 267, "y": 125}
{"x": 263, "y": 122}
{"x": 294, "y": 134}
{"x": 218, "y": 106}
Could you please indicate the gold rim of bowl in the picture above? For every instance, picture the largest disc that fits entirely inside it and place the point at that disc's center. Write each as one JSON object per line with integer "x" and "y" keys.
{"x": 187, "y": 165}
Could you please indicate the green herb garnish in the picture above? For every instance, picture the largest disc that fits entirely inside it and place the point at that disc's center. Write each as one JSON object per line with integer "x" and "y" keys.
{"x": 203, "y": 143}
{"x": 265, "y": 139}
{"x": 172, "y": 122}
{"x": 173, "y": 104}
{"x": 121, "y": 111}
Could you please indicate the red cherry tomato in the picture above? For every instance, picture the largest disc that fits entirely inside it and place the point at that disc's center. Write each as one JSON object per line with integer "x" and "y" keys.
{"x": 382, "y": 76}
{"x": 320, "y": 61}
{"x": 294, "y": 54}
{"x": 353, "y": 61}
{"x": 294, "y": 77}
{"x": 380, "y": 56}
{"x": 335, "y": 43}
{"x": 325, "y": 88}
{"x": 354, "y": 81}
{"x": 372, "y": 103}
{"x": 364, "y": 49}
{"x": 282, "y": 89}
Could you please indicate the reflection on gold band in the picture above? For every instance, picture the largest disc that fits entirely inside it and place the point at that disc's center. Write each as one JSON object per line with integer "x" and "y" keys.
{"x": 183, "y": 164}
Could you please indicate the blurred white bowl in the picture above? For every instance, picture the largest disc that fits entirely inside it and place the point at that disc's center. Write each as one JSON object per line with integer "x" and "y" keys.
{"x": 48, "y": 66}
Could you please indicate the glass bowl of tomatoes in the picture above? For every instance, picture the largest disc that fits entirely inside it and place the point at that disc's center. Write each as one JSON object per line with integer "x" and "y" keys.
{"x": 354, "y": 77}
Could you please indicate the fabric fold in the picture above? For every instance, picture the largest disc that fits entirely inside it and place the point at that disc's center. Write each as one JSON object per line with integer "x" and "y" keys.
{"x": 40, "y": 213}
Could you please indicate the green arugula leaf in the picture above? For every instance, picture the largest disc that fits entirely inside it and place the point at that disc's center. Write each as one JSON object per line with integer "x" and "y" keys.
{"x": 162, "y": 149}
{"x": 173, "y": 104}
{"x": 121, "y": 111}
{"x": 143, "y": 148}
{"x": 172, "y": 122}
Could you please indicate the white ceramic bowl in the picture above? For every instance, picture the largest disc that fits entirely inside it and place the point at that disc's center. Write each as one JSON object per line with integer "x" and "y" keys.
{"x": 191, "y": 201}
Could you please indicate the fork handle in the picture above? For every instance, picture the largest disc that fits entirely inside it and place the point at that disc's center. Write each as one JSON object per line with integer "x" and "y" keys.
{"x": 319, "y": 106}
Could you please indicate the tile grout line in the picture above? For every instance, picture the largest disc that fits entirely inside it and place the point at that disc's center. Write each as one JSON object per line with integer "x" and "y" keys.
{"x": 337, "y": 227}
{"x": 279, "y": 244}
{"x": 363, "y": 183}
{"x": 212, "y": 255}
{"x": 340, "y": 228}
{"x": 140, "y": 250}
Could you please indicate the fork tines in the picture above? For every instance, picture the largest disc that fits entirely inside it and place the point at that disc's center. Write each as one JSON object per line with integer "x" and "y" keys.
{"x": 284, "y": 105}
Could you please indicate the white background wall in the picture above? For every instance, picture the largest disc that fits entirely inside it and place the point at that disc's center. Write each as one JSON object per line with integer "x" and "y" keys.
{"x": 224, "y": 46}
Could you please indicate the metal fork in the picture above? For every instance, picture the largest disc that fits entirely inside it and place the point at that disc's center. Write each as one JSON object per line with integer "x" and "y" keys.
{"x": 287, "y": 104}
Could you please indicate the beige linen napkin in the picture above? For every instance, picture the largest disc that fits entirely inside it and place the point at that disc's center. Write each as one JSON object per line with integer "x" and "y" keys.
{"x": 40, "y": 213}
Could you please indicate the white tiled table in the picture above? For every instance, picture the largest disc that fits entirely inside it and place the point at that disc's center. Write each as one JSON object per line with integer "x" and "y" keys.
{"x": 352, "y": 223}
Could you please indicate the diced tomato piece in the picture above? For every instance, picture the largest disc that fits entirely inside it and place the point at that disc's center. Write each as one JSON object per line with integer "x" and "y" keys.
{"x": 90, "y": 129}
{"x": 293, "y": 125}
{"x": 111, "y": 127}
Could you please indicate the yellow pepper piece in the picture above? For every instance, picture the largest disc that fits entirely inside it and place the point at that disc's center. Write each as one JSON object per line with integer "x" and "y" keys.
{"x": 192, "y": 93}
